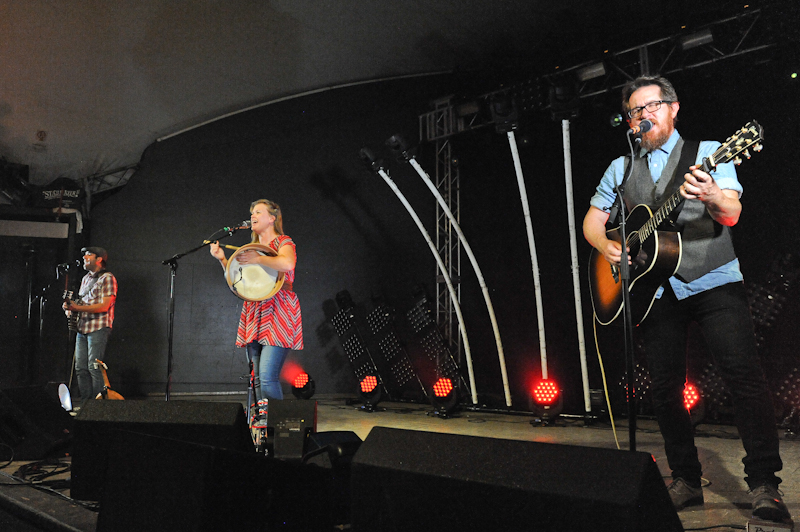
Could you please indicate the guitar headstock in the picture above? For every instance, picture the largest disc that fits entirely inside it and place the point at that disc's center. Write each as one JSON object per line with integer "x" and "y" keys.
{"x": 739, "y": 144}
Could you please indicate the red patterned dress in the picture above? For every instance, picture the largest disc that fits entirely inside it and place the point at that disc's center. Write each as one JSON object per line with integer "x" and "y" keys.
{"x": 275, "y": 321}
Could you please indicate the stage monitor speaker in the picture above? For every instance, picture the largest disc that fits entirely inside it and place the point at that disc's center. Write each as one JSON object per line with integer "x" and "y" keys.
{"x": 411, "y": 480}
{"x": 290, "y": 422}
{"x": 33, "y": 424}
{"x": 217, "y": 424}
{"x": 156, "y": 483}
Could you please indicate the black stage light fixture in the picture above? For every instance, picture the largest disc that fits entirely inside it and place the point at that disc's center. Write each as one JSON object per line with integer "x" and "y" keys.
{"x": 564, "y": 99}
{"x": 368, "y": 157}
{"x": 504, "y": 112}
{"x": 303, "y": 386}
{"x": 370, "y": 391}
{"x": 444, "y": 397}
{"x": 398, "y": 145}
{"x": 546, "y": 402}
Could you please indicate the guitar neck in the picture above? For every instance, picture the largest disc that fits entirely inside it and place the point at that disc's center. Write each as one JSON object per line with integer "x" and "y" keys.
{"x": 707, "y": 165}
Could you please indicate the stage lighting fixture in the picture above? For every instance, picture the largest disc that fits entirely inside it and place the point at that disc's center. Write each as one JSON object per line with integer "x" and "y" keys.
{"x": 546, "y": 401}
{"x": 444, "y": 397}
{"x": 504, "y": 112}
{"x": 697, "y": 39}
{"x": 400, "y": 148}
{"x": 370, "y": 392}
{"x": 303, "y": 386}
{"x": 564, "y": 99}
{"x": 368, "y": 157}
{"x": 590, "y": 72}
{"x": 693, "y": 401}
{"x": 616, "y": 120}
{"x": 64, "y": 397}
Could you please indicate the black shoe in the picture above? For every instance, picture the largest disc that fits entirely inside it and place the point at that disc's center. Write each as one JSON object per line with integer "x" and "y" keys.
{"x": 768, "y": 504}
{"x": 683, "y": 495}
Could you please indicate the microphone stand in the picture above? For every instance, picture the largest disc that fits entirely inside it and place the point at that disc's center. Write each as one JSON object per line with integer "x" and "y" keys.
{"x": 173, "y": 268}
{"x": 624, "y": 273}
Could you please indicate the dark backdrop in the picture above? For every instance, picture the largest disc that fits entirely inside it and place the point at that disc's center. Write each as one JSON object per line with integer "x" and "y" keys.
{"x": 353, "y": 234}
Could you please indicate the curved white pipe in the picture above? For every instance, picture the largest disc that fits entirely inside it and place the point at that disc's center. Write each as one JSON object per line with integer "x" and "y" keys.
{"x": 523, "y": 194}
{"x": 445, "y": 275}
{"x": 477, "y": 269}
{"x": 573, "y": 245}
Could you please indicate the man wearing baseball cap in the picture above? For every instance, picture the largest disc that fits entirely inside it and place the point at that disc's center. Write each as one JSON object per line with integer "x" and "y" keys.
{"x": 95, "y": 307}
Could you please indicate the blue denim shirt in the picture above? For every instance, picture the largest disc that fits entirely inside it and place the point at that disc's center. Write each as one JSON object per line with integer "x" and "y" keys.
{"x": 724, "y": 175}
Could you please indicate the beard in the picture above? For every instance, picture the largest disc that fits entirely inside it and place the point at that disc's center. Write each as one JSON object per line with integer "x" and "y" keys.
{"x": 657, "y": 137}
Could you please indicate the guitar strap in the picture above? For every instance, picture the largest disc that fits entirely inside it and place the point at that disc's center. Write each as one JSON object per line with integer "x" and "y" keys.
{"x": 687, "y": 158}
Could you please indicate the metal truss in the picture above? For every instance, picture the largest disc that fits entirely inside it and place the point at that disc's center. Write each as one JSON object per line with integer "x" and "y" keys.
{"x": 743, "y": 34}
{"x": 102, "y": 182}
{"x": 438, "y": 126}
{"x": 705, "y": 45}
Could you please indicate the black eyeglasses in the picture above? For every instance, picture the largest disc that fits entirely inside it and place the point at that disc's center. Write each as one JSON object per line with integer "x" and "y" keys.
{"x": 652, "y": 107}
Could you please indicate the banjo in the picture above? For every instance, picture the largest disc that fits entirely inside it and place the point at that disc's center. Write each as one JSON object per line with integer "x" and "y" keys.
{"x": 252, "y": 282}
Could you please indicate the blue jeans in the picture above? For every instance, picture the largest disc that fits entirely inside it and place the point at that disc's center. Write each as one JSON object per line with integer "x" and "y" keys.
{"x": 267, "y": 363}
{"x": 723, "y": 315}
{"x": 88, "y": 349}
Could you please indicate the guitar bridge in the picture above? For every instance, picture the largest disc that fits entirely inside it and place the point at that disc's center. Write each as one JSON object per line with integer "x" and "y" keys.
{"x": 615, "y": 273}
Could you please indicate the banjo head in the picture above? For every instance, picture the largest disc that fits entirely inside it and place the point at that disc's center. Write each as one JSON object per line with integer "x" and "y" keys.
{"x": 253, "y": 282}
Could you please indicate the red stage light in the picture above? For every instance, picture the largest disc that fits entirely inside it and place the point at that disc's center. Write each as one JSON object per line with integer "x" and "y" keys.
{"x": 546, "y": 402}
{"x": 369, "y": 383}
{"x": 545, "y": 392}
{"x": 690, "y": 396}
{"x": 444, "y": 397}
{"x": 301, "y": 380}
{"x": 442, "y": 387}
{"x": 370, "y": 392}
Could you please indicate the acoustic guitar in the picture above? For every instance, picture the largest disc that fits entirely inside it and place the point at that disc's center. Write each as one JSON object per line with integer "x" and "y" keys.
{"x": 107, "y": 392}
{"x": 72, "y": 319}
{"x": 655, "y": 253}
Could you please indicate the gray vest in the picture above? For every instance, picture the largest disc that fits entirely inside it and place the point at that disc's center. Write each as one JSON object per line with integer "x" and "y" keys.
{"x": 706, "y": 244}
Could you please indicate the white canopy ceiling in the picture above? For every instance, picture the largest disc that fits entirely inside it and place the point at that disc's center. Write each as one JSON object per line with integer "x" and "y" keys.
{"x": 89, "y": 84}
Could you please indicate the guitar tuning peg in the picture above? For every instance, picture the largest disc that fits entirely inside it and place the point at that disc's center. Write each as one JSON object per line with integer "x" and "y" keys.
{"x": 758, "y": 147}
{"x": 746, "y": 154}
{"x": 737, "y": 161}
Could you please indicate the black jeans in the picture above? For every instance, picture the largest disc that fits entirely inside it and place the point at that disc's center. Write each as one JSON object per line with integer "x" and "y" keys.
{"x": 723, "y": 314}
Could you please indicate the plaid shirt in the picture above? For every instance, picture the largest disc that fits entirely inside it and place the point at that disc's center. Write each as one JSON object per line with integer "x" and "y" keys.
{"x": 96, "y": 286}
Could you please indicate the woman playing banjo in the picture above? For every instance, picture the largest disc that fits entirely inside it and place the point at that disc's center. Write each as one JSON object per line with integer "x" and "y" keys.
{"x": 271, "y": 327}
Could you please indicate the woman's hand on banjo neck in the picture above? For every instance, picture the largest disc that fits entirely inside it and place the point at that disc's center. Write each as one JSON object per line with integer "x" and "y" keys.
{"x": 218, "y": 253}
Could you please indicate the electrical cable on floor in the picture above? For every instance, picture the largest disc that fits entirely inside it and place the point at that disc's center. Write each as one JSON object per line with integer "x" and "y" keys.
{"x": 712, "y": 527}
{"x": 10, "y": 460}
{"x": 605, "y": 383}
{"x": 35, "y": 472}
{"x": 95, "y": 507}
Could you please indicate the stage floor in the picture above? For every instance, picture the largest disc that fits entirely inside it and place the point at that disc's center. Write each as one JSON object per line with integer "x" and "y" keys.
{"x": 727, "y": 502}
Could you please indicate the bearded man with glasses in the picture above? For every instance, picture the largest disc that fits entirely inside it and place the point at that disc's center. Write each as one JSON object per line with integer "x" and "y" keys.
{"x": 707, "y": 289}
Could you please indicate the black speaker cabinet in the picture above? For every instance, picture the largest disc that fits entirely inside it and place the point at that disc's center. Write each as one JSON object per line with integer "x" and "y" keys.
{"x": 159, "y": 484}
{"x": 411, "y": 480}
{"x": 216, "y": 424}
{"x": 33, "y": 424}
{"x": 155, "y": 483}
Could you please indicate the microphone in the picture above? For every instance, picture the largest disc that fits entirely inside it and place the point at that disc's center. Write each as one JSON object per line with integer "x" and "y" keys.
{"x": 242, "y": 225}
{"x": 643, "y": 127}
{"x": 66, "y": 265}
